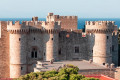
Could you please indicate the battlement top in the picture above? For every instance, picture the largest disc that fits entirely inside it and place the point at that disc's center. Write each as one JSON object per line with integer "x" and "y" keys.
{"x": 28, "y": 23}
{"x": 61, "y": 17}
{"x": 50, "y": 14}
{"x": 51, "y": 23}
{"x": 100, "y": 22}
{"x": 34, "y": 18}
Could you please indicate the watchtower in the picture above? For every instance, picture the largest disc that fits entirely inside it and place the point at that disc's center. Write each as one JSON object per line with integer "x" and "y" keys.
{"x": 51, "y": 31}
{"x": 102, "y": 49}
{"x": 18, "y": 48}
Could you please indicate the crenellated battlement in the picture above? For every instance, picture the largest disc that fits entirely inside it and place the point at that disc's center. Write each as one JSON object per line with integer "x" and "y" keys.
{"x": 10, "y": 23}
{"x": 99, "y": 31}
{"x": 52, "y": 16}
{"x": 71, "y": 30}
{"x": 100, "y": 22}
{"x": 51, "y": 23}
{"x": 67, "y": 17}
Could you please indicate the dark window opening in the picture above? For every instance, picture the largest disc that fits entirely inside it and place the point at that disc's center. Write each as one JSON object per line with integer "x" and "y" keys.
{"x": 76, "y": 49}
{"x": 92, "y": 51}
{"x": 103, "y": 63}
{"x": 44, "y": 54}
{"x": 21, "y": 68}
{"x": 36, "y": 54}
{"x": 60, "y": 52}
{"x": 34, "y": 38}
{"x": 52, "y": 38}
{"x": 113, "y": 48}
{"x": 19, "y": 39}
{"x": 107, "y": 37}
{"x": 32, "y": 54}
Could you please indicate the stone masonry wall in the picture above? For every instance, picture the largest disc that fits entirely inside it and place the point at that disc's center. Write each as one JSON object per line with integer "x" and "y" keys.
{"x": 4, "y": 51}
{"x": 67, "y": 22}
{"x": 67, "y": 43}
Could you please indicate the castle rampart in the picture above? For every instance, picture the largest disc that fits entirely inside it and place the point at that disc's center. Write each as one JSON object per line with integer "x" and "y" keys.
{"x": 4, "y": 51}
{"x": 58, "y": 38}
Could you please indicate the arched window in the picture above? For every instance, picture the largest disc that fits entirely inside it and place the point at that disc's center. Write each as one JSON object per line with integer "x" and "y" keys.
{"x": 34, "y": 53}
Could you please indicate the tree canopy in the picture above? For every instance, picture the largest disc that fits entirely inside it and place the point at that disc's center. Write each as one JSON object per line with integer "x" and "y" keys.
{"x": 68, "y": 72}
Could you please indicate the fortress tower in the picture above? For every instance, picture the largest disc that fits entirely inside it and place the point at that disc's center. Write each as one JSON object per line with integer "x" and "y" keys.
{"x": 18, "y": 49}
{"x": 102, "y": 49}
{"x": 67, "y": 22}
{"x": 51, "y": 40}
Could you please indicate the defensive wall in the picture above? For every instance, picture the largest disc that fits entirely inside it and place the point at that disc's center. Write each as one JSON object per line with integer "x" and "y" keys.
{"x": 22, "y": 45}
{"x": 4, "y": 51}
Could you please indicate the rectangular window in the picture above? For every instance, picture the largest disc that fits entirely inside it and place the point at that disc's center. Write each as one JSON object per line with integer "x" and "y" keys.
{"x": 76, "y": 49}
{"x": 59, "y": 51}
{"x": 21, "y": 68}
{"x": 35, "y": 54}
{"x": 92, "y": 51}
{"x": 107, "y": 37}
{"x": 19, "y": 39}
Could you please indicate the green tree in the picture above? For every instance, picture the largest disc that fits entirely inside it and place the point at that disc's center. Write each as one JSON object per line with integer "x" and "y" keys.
{"x": 68, "y": 72}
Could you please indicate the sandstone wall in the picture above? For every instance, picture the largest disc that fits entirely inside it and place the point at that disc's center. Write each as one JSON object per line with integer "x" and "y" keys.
{"x": 4, "y": 51}
{"x": 18, "y": 54}
{"x": 67, "y": 22}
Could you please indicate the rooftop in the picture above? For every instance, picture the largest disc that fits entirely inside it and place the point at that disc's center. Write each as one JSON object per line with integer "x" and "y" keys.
{"x": 81, "y": 64}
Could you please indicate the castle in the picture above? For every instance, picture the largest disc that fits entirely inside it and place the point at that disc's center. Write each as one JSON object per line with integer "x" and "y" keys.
{"x": 22, "y": 45}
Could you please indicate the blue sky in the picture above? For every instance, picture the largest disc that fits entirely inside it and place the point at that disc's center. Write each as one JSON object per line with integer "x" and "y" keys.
{"x": 40, "y": 8}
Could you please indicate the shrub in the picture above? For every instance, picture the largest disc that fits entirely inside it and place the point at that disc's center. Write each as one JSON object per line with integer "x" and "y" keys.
{"x": 68, "y": 72}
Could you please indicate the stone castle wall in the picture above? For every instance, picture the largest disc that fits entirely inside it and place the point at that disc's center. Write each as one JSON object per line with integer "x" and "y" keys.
{"x": 68, "y": 40}
{"x": 4, "y": 51}
{"x": 58, "y": 39}
{"x": 67, "y": 22}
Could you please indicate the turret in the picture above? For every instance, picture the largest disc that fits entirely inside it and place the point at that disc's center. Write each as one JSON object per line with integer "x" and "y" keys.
{"x": 18, "y": 49}
{"x": 51, "y": 40}
{"x": 102, "y": 45}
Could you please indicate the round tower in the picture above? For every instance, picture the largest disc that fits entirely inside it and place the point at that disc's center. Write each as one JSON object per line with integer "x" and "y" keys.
{"x": 18, "y": 51}
{"x": 51, "y": 32}
{"x": 102, "y": 48}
